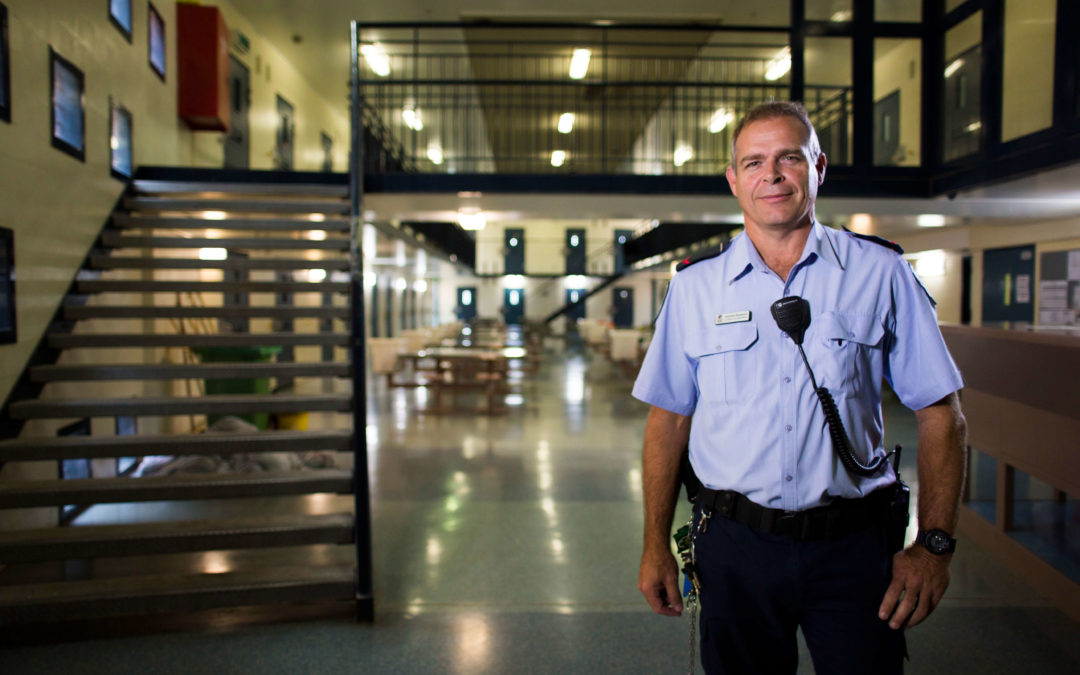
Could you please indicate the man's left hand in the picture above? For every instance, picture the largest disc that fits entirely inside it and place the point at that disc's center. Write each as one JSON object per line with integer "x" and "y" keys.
{"x": 921, "y": 578}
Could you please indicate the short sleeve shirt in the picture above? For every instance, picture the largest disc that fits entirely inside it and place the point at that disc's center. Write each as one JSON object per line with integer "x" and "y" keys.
{"x": 758, "y": 428}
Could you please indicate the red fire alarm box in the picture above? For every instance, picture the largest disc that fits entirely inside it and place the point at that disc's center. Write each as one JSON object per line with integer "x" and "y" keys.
{"x": 202, "y": 44}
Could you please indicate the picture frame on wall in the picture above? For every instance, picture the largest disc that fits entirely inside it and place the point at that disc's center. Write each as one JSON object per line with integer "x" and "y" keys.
{"x": 156, "y": 28}
{"x": 120, "y": 16}
{"x": 67, "y": 110}
{"x": 5, "y": 67}
{"x": 121, "y": 164}
{"x": 8, "y": 333}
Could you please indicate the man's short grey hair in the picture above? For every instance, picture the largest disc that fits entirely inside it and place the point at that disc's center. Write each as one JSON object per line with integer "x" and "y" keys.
{"x": 772, "y": 110}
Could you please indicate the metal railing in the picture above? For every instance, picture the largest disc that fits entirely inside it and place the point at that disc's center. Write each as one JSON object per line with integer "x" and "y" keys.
{"x": 653, "y": 100}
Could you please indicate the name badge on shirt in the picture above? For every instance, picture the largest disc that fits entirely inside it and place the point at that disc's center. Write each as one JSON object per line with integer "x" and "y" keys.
{"x": 733, "y": 317}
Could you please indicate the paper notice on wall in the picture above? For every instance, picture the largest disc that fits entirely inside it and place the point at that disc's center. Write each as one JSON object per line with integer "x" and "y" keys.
{"x": 1074, "y": 265}
{"x": 1023, "y": 288}
{"x": 1053, "y": 295}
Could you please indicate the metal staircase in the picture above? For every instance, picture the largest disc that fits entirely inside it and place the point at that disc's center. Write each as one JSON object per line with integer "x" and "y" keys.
{"x": 186, "y": 266}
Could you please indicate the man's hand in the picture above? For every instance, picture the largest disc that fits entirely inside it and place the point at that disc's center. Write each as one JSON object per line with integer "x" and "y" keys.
{"x": 922, "y": 577}
{"x": 658, "y": 581}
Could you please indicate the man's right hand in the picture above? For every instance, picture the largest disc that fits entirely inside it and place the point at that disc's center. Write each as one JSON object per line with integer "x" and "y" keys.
{"x": 658, "y": 581}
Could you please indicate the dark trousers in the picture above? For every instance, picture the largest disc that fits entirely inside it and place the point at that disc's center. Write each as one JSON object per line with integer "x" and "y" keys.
{"x": 757, "y": 589}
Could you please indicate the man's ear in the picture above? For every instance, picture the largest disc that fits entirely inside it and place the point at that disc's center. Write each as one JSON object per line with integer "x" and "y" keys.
{"x": 821, "y": 163}
{"x": 731, "y": 180}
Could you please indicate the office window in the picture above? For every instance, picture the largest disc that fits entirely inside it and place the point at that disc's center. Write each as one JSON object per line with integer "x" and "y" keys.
{"x": 120, "y": 158}
{"x": 156, "y": 31}
{"x": 1027, "y": 94}
{"x": 828, "y": 96}
{"x": 120, "y": 15}
{"x": 68, "y": 114}
{"x": 962, "y": 116}
{"x": 897, "y": 101}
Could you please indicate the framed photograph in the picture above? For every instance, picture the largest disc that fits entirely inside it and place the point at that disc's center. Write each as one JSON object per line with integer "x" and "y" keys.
{"x": 120, "y": 15}
{"x": 120, "y": 160}
{"x": 5, "y": 68}
{"x": 7, "y": 286}
{"x": 157, "y": 42}
{"x": 68, "y": 126}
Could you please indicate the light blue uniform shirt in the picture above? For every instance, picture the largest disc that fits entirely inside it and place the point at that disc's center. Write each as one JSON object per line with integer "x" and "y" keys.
{"x": 758, "y": 427}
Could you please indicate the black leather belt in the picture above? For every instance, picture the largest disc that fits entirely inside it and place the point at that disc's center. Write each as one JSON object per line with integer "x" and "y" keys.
{"x": 831, "y": 521}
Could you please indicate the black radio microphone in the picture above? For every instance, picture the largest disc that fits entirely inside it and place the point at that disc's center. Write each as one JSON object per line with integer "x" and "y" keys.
{"x": 792, "y": 315}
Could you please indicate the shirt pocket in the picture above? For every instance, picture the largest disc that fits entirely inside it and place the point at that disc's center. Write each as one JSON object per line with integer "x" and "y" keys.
{"x": 845, "y": 346}
{"x": 726, "y": 368}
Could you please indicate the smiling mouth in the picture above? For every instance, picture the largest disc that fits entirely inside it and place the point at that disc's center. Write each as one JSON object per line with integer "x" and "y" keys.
{"x": 775, "y": 198}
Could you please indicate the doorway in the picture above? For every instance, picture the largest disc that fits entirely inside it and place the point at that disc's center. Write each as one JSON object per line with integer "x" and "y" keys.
{"x": 283, "y": 149}
{"x": 237, "y": 143}
{"x": 622, "y": 303}
{"x": 514, "y": 306}
{"x": 466, "y": 303}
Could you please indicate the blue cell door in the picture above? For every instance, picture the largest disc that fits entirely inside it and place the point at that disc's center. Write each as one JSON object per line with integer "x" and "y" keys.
{"x": 514, "y": 256}
{"x": 622, "y": 304}
{"x": 575, "y": 251}
{"x": 1007, "y": 285}
{"x": 576, "y": 311}
{"x": 514, "y": 306}
{"x": 621, "y": 237}
{"x": 466, "y": 303}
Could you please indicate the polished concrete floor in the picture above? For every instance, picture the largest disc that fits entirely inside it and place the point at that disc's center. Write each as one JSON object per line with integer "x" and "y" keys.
{"x": 510, "y": 544}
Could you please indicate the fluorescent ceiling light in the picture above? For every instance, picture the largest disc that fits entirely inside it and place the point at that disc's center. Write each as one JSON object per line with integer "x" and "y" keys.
{"x": 514, "y": 281}
{"x": 316, "y": 275}
{"x": 558, "y": 157}
{"x": 779, "y": 65}
{"x": 400, "y": 284}
{"x": 434, "y": 153}
{"x": 472, "y": 219}
{"x": 316, "y": 235}
{"x": 566, "y": 123}
{"x": 683, "y": 154}
{"x": 720, "y": 119}
{"x": 317, "y": 217}
{"x": 930, "y": 220}
{"x": 930, "y": 263}
{"x": 213, "y": 254}
{"x": 579, "y": 64}
{"x": 213, "y": 215}
{"x": 376, "y": 58}
{"x": 973, "y": 127}
{"x": 841, "y": 16}
{"x": 574, "y": 282}
{"x": 951, "y": 69}
{"x": 412, "y": 119}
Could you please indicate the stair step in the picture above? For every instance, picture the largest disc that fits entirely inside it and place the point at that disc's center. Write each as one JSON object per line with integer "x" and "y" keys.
{"x": 115, "y": 239}
{"x": 169, "y": 371}
{"x": 97, "y": 598}
{"x": 210, "y": 443}
{"x": 266, "y": 204}
{"x": 195, "y": 405}
{"x": 77, "y": 312}
{"x": 102, "y": 261}
{"x": 153, "y": 538}
{"x": 120, "y": 286}
{"x": 150, "y": 186}
{"x": 100, "y": 340}
{"x": 125, "y": 221}
{"x": 26, "y": 494}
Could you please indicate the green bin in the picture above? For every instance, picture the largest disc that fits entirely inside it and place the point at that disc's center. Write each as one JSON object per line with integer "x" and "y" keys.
{"x": 238, "y": 385}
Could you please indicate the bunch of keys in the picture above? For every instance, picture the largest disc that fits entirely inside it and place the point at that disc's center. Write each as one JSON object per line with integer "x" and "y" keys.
{"x": 685, "y": 546}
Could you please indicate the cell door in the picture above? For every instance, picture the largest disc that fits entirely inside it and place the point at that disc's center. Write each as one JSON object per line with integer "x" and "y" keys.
{"x": 514, "y": 306}
{"x": 514, "y": 251}
{"x": 575, "y": 251}
{"x": 328, "y": 152}
{"x": 621, "y": 237}
{"x": 622, "y": 304}
{"x": 286, "y": 130}
{"x": 576, "y": 311}
{"x": 237, "y": 143}
{"x": 887, "y": 130}
{"x": 466, "y": 303}
{"x": 1007, "y": 285}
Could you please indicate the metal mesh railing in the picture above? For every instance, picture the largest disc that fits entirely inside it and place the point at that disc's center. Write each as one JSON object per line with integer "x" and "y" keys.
{"x": 491, "y": 99}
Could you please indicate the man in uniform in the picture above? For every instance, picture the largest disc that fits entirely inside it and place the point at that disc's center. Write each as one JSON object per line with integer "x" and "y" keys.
{"x": 785, "y": 535}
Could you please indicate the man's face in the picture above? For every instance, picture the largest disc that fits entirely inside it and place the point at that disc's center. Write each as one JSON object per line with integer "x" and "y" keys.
{"x": 772, "y": 175}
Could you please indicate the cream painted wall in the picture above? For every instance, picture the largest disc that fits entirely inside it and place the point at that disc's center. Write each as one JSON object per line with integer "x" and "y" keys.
{"x": 57, "y": 204}
{"x": 1028, "y": 77}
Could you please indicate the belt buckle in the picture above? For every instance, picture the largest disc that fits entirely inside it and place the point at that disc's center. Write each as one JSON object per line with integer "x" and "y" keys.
{"x": 784, "y": 523}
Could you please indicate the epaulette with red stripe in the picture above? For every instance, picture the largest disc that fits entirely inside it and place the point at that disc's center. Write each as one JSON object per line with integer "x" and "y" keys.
{"x": 693, "y": 260}
{"x": 877, "y": 240}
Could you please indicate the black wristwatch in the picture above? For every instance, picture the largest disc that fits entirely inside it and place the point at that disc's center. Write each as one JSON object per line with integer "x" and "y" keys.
{"x": 938, "y": 542}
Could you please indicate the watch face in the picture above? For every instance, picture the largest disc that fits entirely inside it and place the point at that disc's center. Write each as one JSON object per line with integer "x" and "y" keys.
{"x": 937, "y": 542}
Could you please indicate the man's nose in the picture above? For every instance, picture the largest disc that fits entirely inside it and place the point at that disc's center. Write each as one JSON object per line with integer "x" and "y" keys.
{"x": 774, "y": 176}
